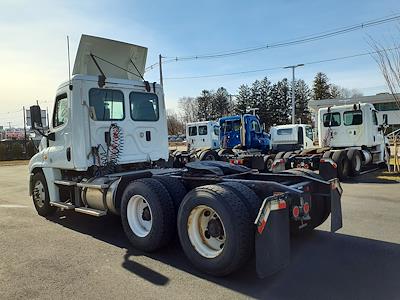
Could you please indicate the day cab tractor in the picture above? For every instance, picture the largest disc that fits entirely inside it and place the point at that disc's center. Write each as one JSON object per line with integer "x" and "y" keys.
{"x": 106, "y": 151}
{"x": 349, "y": 135}
{"x": 202, "y": 143}
{"x": 244, "y": 142}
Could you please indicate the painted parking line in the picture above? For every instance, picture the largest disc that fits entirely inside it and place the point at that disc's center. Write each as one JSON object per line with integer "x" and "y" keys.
{"x": 13, "y": 206}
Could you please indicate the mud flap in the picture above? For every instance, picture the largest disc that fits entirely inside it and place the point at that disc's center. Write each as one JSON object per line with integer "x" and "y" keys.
{"x": 336, "y": 206}
{"x": 328, "y": 169}
{"x": 272, "y": 242}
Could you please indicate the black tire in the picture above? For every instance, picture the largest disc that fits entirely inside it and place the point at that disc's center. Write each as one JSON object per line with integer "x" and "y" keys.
{"x": 162, "y": 214}
{"x": 225, "y": 152}
{"x": 208, "y": 155}
{"x": 268, "y": 163}
{"x": 236, "y": 220}
{"x": 41, "y": 198}
{"x": 355, "y": 161}
{"x": 279, "y": 155}
{"x": 175, "y": 188}
{"x": 287, "y": 154}
{"x": 343, "y": 164}
{"x": 251, "y": 200}
{"x": 327, "y": 154}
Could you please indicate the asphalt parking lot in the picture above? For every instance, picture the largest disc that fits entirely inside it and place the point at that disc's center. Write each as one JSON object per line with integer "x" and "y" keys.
{"x": 78, "y": 256}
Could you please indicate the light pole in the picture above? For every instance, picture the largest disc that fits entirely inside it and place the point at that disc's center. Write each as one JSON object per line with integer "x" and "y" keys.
{"x": 293, "y": 87}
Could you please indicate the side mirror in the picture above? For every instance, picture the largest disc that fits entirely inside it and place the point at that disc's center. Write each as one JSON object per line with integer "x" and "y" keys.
{"x": 36, "y": 117}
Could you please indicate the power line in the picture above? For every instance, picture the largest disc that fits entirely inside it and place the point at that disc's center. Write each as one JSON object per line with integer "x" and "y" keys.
{"x": 285, "y": 43}
{"x": 281, "y": 67}
{"x": 10, "y": 112}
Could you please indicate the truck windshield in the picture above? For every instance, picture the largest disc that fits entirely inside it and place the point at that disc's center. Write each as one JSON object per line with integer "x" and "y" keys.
{"x": 332, "y": 119}
{"x": 106, "y": 104}
{"x": 144, "y": 106}
{"x": 228, "y": 126}
{"x": 284, "y": 131}
{"x": 352, "y": 117}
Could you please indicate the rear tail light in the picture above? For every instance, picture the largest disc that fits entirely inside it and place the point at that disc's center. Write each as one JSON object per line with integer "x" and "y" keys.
{"x": 306, "y": 208}
{"x": 296, "y": 211}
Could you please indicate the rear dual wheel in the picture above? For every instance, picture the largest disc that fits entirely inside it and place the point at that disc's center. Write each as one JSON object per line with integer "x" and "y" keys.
{"x": 148, "y": 214}
{"x": 215, "y": 229}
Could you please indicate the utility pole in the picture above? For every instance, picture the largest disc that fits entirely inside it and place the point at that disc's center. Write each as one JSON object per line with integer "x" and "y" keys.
{"x": 160, "y": 64}
{"x": 23, "y": 108}
{"x": 293, "y": 91}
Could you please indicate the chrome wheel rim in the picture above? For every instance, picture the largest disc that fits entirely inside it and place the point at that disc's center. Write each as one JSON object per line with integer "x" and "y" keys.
{"x": 39, "y": 195}
{"x": 139, "y": 215}
{"x": 206, "y": 231}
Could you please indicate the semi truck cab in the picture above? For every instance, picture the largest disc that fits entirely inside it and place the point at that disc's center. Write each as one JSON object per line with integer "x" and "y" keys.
{"x": 203, "y": 135}
{"x": 291, "y": 137}
{"x": 244, "y": 130}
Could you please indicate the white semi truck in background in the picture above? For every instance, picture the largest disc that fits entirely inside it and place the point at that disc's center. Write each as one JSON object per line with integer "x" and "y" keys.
{"x": 350, "y": 135}
{"x": 106, "y": 152}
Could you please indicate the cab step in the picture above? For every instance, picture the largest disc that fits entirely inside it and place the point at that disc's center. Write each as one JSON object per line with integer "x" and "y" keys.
{"x": 62, "y": 205}
{"x": 91, "y": 211}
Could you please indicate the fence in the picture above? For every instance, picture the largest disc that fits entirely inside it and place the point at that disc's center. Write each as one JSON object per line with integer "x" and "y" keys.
{"x": 16, "y": 149}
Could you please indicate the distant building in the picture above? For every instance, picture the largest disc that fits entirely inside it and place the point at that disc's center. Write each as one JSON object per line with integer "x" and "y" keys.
{"x": 384, "y": 103}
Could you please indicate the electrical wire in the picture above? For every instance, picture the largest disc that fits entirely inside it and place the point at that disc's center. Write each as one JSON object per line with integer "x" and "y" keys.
{"x": 285, "y": 43}
{"x": 281, "y": 67}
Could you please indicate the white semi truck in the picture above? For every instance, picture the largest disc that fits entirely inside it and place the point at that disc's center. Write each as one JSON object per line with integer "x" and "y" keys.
{"x": 106, "y": 152}
{"x": 350, "y": 135}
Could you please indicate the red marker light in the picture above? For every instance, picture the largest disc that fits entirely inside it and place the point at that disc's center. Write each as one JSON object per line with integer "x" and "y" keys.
{"x": 296, "y": 211}
{"x": 306, "y": 208}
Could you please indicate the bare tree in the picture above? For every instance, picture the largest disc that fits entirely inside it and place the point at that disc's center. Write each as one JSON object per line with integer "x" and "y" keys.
{"x": 189, "y": 109}
{"x": 175, "y": 126}
{"x": 388, "y": 60}
{"x": 337, "y": 91}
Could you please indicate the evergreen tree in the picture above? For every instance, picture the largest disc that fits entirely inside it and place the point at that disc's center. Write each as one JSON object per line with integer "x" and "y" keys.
{"x": 205, "y": 109}
{"x": 243, "y": 100}
{"x": 321, "y": 87}
{"x": 221, "y": 103}
{"x": 303, "y": 95}
{"x": 264, "y": 100}
{"x": 280, "y": 104}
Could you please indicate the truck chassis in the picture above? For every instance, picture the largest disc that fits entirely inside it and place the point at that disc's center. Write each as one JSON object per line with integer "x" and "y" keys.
{"x": 221, "y": 212}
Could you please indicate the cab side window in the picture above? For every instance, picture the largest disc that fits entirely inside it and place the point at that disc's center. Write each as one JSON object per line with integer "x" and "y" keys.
{"x": 374, "y": 118}
{"x": 60, "y": 116}
{"x": 255, "y": 126}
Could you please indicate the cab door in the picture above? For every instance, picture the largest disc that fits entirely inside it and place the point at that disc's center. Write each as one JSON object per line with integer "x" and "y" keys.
{"x": 59, "y": 152}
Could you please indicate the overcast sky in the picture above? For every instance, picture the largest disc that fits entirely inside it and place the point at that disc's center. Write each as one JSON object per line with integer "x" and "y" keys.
{"x": 33, "y": 55}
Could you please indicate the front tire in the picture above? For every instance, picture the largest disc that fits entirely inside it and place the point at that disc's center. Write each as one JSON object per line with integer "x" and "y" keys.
{"x": 40, "y": 195}
{"x": 215, "y": 230}
{"x": 147, "y": 214}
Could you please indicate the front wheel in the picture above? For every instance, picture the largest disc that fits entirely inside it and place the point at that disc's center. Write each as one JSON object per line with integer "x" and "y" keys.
{"x": 215, "y": 229}
{"x": 40, "y": 195}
